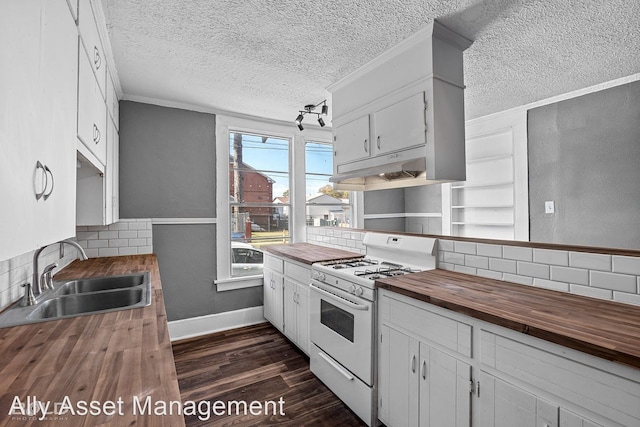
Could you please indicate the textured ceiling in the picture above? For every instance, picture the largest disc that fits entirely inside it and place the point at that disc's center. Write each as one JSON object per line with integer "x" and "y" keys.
{"x": 269, "y": 58}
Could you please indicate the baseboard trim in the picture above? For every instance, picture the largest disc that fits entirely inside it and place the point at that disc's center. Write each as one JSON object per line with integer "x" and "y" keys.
{"x": 203, "y": 325}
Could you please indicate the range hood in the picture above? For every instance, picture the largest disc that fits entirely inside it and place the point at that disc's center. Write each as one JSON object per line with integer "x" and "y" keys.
{"x": 399, "y": 120}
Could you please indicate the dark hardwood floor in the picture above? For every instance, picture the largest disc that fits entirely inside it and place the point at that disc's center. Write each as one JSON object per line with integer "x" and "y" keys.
{"x": 256, "y": 363}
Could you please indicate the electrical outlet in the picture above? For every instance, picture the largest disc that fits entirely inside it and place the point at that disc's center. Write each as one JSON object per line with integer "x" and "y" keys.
{"x": 549, "y": 207}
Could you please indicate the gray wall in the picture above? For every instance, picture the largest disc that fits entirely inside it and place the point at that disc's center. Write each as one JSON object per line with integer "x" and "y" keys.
{"x": 384, "y": 202}
{"x": 167, "y": 162}
{"x": 167, "y": 170}
{"x": 584, "y": 154}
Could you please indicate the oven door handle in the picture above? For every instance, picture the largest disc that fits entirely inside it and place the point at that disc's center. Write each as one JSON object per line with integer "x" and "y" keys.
{"x": 340, "y": 299}
{"x": 335, "y": 366}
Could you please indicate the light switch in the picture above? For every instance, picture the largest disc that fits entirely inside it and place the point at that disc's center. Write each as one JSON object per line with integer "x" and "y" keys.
{"x": 549, "y": 207}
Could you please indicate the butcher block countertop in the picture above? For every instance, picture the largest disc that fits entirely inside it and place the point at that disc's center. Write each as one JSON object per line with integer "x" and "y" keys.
{"x": 122, "y": 355}
{"x": 602, "y": 328}
{"x": 308, "y": 253}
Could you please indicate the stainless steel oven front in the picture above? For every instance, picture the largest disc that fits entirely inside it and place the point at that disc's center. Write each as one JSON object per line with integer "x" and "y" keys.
{"x": 341, "y": 325}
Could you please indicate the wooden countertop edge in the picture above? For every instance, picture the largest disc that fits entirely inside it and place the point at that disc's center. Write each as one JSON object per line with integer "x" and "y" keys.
{"x": 308, "y": 253}
{"x": 581, "y": 344}
{"x": 128, "y": 352}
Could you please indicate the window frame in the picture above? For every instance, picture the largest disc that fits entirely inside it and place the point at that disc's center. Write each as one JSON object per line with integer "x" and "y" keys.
{"x": 225, "y": 124}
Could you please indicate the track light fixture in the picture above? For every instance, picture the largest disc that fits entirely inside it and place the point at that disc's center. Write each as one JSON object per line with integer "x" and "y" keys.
{"x": 309, "y": 109}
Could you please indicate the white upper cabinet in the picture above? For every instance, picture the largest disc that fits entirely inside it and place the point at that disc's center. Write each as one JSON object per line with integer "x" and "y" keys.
{"x": 401, "y": 125}
{"x": 351, "y": 141}
{"x": 92, "y": 112}
{"x": 39, "y": 47}
{"x": 90, "y": 39}
{"x": 412, "y": 98}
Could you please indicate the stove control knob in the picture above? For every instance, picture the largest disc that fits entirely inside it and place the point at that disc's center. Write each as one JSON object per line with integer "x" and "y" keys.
{"x": 359, "y": 291}
{"x": 352, "y": 289}
{"x": 320, "y": 277}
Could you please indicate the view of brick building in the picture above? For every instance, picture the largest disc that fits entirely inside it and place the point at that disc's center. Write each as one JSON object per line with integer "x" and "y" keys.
{"x": 256, "y": 188}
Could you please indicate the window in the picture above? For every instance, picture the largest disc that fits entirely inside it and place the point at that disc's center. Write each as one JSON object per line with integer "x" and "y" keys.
{"x": 324, "y": 205}
{"x": 258, "y": 198}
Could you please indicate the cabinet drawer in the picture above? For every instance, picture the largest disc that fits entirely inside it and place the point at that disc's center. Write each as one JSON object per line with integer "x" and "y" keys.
{"x": 297, "y": 272}
{"x": 273, "y": 263}
{"x": 93, "y": 46}
{"x": 441, "y": 330}
{"x": 92, "y": 113}
{"x": 613, "y": 395}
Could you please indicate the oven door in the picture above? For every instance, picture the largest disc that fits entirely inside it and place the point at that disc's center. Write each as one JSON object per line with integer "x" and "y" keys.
{"x": 341, "y": 325}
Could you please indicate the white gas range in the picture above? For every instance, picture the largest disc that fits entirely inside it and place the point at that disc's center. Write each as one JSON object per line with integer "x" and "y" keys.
{"x": 343, "y": 313}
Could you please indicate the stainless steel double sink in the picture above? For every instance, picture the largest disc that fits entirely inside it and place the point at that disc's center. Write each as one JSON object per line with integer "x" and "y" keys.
{"x": 79, "y": 297}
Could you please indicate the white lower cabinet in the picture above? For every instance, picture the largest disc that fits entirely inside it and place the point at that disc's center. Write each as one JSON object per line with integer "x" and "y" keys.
{"x": 286, "y": 298}
{"x": 430, "y": 374}
{"x": 420, "y": 384}
{"x": 273, "y": 297}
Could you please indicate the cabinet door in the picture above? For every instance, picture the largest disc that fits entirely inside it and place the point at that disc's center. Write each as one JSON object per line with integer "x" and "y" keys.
{"x": 398, "y": 404}
{"x": 569, "y": 419}
{"x": 445, "y": 398}
{"x": 401, "y": 125}
{"x": 38, "y": 80}
{"x": 92, "y": 111}
{"x": 273, "y": 298}
{"x": 290, "y": 310}
{"x": 59, "y": 76}
{"x": 505, "y": 405}
{"x": 90, "y": 38}
{"x": 351, "y": 141}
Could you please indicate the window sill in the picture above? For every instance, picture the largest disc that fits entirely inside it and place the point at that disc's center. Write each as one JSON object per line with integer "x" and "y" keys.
{"x": 233, "y": 283}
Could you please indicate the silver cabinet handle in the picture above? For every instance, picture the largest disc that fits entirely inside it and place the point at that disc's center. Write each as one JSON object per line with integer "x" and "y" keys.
{"x": 413, "y": 364}
{"x": 46, "y": 180}
{"x": 378, "y": 142}
{"x": 97, "y": 59}
{"x": 47, "y": 170}
{"x": 96, "y": 134}
{"x": 366, "y": 146}
{"x": 424, "y": 369}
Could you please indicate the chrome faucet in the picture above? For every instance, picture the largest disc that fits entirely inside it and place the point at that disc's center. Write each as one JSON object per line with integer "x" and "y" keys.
{"x": 37, "y": 281}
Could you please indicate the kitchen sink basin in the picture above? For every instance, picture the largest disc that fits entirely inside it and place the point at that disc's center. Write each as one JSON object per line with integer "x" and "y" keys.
{"x": 96, "y": 302}
{"x": 95, "y": 284}
{"x": 80, "y": 297}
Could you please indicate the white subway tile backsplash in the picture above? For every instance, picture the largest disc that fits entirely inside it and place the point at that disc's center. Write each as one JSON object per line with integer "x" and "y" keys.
{"x": 445, "y": 245}
{"x": 626, "y": 264}
{"x": 107, "y": 235}
{"x": 128, "y": 251}
{"x": 588, "y": 291}
{"x": 476, "y": 261}
{"x": 590, "y": 261}
{"x": 518, "y": 253}
{"x": 550, "y": 256}
{"x": 127, "y": 237}
{"x": 626, "y": 298}
{"x": 128, "y": 234}
{"x": 465, "y": 247}
{"x": 613, "y": 281}
{"x": 464, "y": 269}
{"x": 590, "y": 274}
{"x": 523, "y": 280}
{"x": 570, "y": 275}
{"x": 550, "y": 284}
{"x": 533, "y": 270}
{"x": 454, "y": 258}
{"x": 490, "y": 274}
{"x": 493, "y": 251}
{"x": 503, "y": 265}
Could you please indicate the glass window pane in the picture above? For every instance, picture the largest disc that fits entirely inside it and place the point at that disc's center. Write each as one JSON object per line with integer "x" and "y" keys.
{"x": 258, "y": 198}
{"x": 325, "y": 206}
